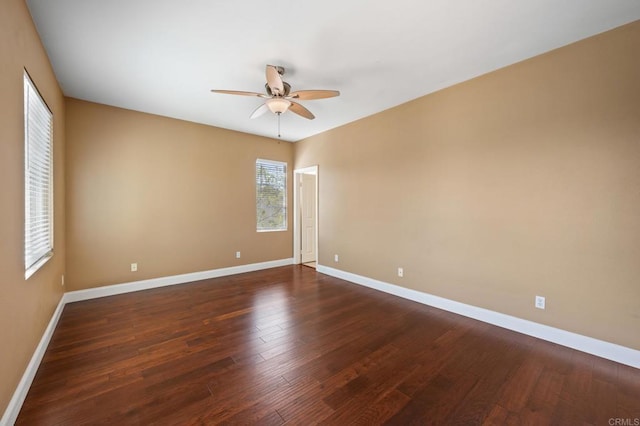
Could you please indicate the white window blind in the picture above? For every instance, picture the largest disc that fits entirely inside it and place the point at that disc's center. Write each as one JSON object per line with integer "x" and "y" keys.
{"x": 38, "y": 179}
{"x": 271, "y": 195}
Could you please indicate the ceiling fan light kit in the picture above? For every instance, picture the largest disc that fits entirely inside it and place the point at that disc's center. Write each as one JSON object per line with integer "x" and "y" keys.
{"x": 280, "y": 98}
{"x": 278, "y": 105}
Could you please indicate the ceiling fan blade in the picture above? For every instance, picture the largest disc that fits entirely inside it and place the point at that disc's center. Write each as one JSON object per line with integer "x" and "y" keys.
{"x": 301, "y": 111}
{"x": 238, "y": 92}
{"x": 307, "y": 95}
{"x": 274, "y": 80}
{"x": 260, "y": 111}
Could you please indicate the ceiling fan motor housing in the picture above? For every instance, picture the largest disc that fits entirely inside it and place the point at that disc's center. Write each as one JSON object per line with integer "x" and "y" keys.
{"x": 287, "y": 89}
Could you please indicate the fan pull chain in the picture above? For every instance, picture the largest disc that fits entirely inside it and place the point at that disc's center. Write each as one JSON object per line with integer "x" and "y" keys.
{"x": 279, "y": 123}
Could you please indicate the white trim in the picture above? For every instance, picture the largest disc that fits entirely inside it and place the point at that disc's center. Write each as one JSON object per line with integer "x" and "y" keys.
{"x": 311, "y": 170}
{"x": 110, "y": 290}
{"x": 13, "y": 409}
{"x": 586, "y": 344}
{"x": 274, "y": 162}
{"x": 579, "y": 342}
{"x": 34, "y": 268}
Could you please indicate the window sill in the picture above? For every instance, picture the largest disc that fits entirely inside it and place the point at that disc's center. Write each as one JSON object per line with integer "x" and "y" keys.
{"x": 33, "y": 268}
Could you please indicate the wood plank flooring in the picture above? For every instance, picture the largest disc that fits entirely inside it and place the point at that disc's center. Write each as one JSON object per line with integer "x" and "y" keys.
{"x": 290, "y": 345}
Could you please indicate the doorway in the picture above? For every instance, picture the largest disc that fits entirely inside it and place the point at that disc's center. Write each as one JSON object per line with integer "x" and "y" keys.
{"x": 305, "y": 223}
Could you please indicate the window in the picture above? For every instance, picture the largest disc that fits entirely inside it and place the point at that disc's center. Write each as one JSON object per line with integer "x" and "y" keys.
{"x": 271, "y": 195}
{"x": 38, "y": 180}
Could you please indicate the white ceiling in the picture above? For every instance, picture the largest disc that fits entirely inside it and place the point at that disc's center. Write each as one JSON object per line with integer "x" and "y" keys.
{"x": 164, "y": 56}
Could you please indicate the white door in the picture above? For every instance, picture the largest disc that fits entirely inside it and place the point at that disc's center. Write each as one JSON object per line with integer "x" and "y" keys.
{"x": 308, "y": 214}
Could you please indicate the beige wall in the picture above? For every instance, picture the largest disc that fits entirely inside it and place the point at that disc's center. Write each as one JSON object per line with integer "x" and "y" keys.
{"x": 523, "y": 182}
{"x": 25, "y": 306}
{"x": 171, "y": 195}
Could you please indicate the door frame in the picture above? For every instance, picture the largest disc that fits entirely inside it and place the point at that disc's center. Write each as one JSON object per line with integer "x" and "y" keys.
{"x": 297, "y": 212}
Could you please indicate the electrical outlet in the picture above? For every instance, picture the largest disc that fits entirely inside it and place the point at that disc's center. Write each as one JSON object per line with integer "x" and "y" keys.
{"x": 62, "y": 280}
{"x": 335, "y": 258}
{"x": 400, "y": 272}
{"x": 540, "y": 301}
{"x": 134, "y": 267}
{"x": 237, "y": 255}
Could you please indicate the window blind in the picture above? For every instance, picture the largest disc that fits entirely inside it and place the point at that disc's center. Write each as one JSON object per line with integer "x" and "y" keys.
{"x": 38, "y": 178}
{"x": 271, "y": 195}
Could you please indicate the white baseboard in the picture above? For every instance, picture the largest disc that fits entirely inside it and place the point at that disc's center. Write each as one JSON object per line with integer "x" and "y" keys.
{"x": 110, "y": 290}
{"x": 579, "y": 342}
{"x": 13, "y": 409}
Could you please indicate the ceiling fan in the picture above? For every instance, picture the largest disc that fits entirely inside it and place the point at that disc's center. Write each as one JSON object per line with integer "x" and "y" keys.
{"x": 279, "y": 97}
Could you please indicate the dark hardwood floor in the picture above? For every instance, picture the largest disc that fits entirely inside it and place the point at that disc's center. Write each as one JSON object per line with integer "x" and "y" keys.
{"x": 290, "y": 345}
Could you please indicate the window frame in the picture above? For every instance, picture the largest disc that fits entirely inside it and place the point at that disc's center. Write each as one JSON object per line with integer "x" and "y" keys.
{"x": 38, "y": 144}
{"x": 285, "y": 197}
